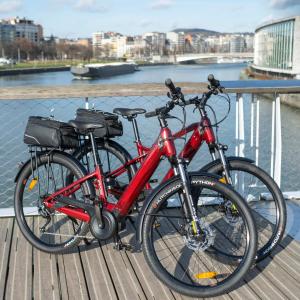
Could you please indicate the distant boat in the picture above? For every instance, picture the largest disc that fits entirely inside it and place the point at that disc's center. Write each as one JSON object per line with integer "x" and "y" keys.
{"x": 103, "y": 70}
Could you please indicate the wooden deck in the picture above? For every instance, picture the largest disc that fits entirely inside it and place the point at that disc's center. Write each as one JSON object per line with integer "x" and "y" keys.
{"x": 100, "y": 272}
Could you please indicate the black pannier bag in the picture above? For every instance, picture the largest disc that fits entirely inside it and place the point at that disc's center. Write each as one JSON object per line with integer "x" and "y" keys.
{"x": 45, "y": 132}
{"x": 113, "y": 127}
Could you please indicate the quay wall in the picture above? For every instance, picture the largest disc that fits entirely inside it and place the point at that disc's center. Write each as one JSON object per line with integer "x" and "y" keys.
{"x": 32, "y": 70}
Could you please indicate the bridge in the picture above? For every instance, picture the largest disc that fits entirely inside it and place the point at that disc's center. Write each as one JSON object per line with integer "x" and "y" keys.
{"x": 216, "y": 56}
{"x": 97, "y": 271}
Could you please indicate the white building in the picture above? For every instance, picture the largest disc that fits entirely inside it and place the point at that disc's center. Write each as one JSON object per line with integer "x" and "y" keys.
{"x": 156, "y": 41}
{"x": 176, "y": 40}
{"x": 97, "y": 38}
{"x": 276, "y": 47}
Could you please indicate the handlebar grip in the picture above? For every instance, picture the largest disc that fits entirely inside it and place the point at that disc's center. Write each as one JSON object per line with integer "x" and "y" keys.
{"x": 214, "y": 82}
{"x": 151, "y": 114}
{"x": 170, "y": 85}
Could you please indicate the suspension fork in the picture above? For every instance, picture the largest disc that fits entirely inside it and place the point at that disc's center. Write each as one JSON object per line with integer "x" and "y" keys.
{"x": 221, "y": 149}
{"x": 186, "y": 197}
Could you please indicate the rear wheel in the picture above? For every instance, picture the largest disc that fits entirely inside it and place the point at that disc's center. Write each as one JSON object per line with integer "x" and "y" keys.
{"x": 113, "y": 156}
{"x": 190, "y": 264}
{"x": 46, "y": 229}
{"x": 264, "y": 198}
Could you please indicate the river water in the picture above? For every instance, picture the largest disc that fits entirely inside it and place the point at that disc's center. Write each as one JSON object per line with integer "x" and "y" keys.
{"x": 183, "y": 73}
{"x": 14, "y": 114}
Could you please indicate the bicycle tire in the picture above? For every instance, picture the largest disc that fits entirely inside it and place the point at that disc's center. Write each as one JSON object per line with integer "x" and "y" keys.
{"x": 264, "y": 248}
{"x": 150, "y": 237}
{"x": 60, "y": 160}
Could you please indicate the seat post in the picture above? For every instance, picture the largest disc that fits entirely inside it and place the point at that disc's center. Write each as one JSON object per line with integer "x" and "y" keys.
{"x": 95, "y": 151}
{"x": 135, "y": 128}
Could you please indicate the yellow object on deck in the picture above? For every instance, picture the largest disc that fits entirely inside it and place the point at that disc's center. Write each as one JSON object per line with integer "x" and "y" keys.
{"x": 206, "y": 275}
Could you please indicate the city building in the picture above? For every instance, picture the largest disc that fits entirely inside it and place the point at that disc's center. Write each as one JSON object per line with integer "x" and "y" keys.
{"x": 156, "y": 42}
{"x": 276, "y": 48}
{"x": 15, "y": 28}
{"x": 237, "y": 44}
{"x": 7, "y": 32}
{"x": 97, "y": 38}
{"x": 176, "y": 41}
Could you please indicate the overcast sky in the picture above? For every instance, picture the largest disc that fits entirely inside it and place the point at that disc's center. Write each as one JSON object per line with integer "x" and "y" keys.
{"x": 79, "y": 18}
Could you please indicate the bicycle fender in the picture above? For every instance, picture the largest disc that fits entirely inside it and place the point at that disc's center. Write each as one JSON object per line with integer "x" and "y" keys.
{"x": 148, "y": 200}
{"x": 214, "y": 163}
{"x": 21, "y": 169}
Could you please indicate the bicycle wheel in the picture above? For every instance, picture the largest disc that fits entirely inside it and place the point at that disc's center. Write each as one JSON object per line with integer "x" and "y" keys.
{"x": 113, "y": 156}
{"x": 47, "y": 229}
{"x": 264, "y": 198}
{"x": 187, "y": 263}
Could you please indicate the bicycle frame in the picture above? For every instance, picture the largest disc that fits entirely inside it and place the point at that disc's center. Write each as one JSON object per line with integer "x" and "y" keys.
{"x": 164, "y": 146}
{"x": 202, "y": 131}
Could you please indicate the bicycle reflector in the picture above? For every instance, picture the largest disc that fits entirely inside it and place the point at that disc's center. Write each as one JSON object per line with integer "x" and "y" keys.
{"x": 223, "y": 180}
{"x": 32, "y": 184}
{"x": 206, "y": 275}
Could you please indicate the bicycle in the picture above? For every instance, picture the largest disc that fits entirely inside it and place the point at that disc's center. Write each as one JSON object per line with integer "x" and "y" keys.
{"x": 67, "y": 211}
{"x": 248, "y": 179}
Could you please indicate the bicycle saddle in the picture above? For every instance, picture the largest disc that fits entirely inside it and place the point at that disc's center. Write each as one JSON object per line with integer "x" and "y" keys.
{"x": 83, "y": 127}
{"x": 129, "y": 112}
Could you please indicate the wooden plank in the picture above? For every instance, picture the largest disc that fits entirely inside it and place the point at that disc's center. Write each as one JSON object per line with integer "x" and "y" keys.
{"x": 19, "y": 282}
{"x": 110, "y": 90}
{"x": 125, "y": 281}
{"x": 280, "y": 278}
{"x": 153, "y": 288}
{"x": 73, "y": 271}
{"x": 100, "y": 284}
{"x": 6, "y": 230}
{"x": 45, "y": 280}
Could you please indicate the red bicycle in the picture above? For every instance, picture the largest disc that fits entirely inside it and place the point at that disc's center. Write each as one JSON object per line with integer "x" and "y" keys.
{"x": 253, "y": 183}
{"x": 192, "y": 249}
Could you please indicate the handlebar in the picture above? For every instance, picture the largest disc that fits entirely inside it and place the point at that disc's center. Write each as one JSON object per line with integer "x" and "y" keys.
{"x": 214, "y": 83}
{"x": 176, "y": 95}
{"x": 171, "y": 86}
{"x": 162, "y": 111}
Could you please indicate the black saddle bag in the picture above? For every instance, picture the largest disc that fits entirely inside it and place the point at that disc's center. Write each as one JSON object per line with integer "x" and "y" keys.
{"x": 113, "y": 127}
{"x": 45, "y": 132}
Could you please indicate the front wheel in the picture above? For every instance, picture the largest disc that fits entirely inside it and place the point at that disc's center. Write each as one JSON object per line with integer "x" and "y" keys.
{"x": 192, "y": 264}
{"x": 263, "y": 197}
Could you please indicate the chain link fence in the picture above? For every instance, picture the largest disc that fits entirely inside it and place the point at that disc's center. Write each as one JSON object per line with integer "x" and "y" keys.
{"x": 14, "y": 115}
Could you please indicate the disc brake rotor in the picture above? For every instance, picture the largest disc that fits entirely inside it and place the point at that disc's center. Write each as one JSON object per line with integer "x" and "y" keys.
{"x": 199, "y": 242}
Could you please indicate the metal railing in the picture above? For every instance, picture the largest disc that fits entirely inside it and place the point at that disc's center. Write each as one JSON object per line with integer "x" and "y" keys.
{"x": 258, "y": 126}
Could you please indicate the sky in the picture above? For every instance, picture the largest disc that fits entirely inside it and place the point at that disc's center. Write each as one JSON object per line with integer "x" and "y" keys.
{"x": 80, "y": 18}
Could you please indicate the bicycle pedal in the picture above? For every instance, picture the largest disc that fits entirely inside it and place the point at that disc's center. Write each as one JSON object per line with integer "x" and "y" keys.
{"x": 121, "y": 246}
{"x": 87, "y": 242}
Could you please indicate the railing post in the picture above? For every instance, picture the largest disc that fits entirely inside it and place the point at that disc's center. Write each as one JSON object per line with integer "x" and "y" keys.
{"x": 86, "y": 102}
{"x": 257, "y": 133}
{"x": 273, "y": 138}
{"x": 252, "y": 122}
{"x": 278, "y": 142}
{"x": 237, "y": 125}
{"x": 241, "y": 127}
{"x": 240, "y": 140}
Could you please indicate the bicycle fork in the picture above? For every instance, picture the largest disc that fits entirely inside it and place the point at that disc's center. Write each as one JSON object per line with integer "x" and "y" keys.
{"x": 186, "y": 197}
